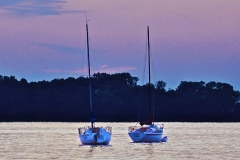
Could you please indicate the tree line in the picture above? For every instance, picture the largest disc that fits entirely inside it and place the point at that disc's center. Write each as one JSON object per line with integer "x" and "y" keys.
{"x": 116, "y": 98}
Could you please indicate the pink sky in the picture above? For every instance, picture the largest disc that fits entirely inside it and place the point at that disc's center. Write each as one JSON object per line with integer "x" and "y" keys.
{"x": 190, "y": 40}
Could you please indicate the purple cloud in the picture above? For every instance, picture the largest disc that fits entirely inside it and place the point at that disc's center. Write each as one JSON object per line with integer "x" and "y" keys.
{"x": 106, "y": 69}
{"x": 23, "y": 8}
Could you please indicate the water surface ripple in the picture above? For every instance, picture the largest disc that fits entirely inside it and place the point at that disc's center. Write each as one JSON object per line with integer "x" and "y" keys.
{"x": 60, "y": 141}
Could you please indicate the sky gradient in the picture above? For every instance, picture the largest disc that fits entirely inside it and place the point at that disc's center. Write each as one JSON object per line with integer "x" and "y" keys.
{"x": 190, "y": 40}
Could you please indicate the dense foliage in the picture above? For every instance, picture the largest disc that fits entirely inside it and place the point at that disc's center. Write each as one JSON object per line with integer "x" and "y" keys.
{"x": 116, "y": 98}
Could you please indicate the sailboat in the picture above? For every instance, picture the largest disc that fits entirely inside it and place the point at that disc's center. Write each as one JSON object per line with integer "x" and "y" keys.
{"x": 91, "y": 135}
{"x": 148, "y": 131}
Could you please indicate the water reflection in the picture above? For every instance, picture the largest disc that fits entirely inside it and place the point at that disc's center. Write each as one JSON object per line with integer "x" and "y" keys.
{"x": 188, "y": 141}
{"x": 92, "y": 151}
{"x": 94, "y": 146}
{"x": 150, "y": 150}
{"x": 99, "y": 146}
{"x": 88, "y": 151}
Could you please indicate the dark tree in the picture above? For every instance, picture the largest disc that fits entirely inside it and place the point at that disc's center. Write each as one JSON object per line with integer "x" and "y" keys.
{"x": 116, "y": 97}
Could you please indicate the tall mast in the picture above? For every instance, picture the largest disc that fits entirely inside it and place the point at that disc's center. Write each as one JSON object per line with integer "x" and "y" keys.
{"x": 150, "y": 118}
{"x": 149, "y": 77}
{"x": 89, "y": 76}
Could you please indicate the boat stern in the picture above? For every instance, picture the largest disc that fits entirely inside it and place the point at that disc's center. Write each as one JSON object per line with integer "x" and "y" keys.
{"x": 92, "y": 136}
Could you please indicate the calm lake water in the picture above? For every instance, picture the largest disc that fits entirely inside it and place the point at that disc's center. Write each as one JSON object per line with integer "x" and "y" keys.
{"x": 60, "y": 141}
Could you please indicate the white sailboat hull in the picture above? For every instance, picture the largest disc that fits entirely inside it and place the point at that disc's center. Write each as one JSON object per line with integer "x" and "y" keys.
{"x": 91, "y": 137}
{"x": 145, "y": 137}
{"x": 151, "y": 133}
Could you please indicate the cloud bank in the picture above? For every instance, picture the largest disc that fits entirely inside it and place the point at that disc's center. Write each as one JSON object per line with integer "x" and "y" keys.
{"x": 23, "y": 8}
